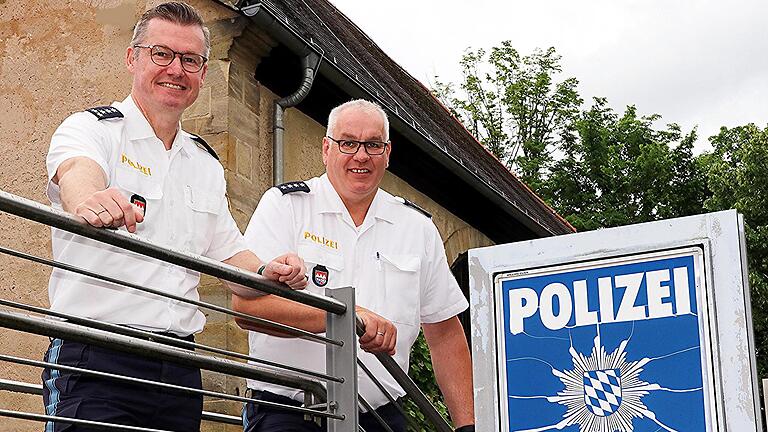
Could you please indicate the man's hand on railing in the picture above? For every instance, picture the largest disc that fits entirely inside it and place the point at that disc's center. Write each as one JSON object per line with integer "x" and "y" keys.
{"x": 109, "y": 208}
{"x": 380, "y": 334}
{"x": 288, "y": 269}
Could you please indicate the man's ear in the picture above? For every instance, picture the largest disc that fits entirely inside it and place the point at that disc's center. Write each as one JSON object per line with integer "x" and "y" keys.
{"x": 130, "y": 59}
{"x": 326, "y": 148}
{"x": 203, "y": 73}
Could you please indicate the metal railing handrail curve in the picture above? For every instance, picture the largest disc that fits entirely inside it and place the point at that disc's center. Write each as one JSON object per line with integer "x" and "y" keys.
{"x": 172, "y": 387}
{"x": 167, "y": 340}
{"x": 37, "y": 212}
{"x": 59, "y": 329}
{"x": 303, "y": 334}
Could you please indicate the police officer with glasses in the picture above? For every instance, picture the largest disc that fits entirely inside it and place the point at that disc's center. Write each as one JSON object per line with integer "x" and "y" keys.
{"x": 130, "y": 166}
{"x": 352, "y": 233}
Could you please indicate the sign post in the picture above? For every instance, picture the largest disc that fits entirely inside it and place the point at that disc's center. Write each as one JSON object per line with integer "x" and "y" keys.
{"x": 637, "y": 328}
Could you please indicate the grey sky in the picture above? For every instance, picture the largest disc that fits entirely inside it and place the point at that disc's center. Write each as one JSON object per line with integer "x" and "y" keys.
{"x": 694, "y": 62}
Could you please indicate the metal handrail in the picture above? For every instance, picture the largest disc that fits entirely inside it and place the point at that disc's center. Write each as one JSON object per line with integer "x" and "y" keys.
{"x": 176, "y": 388}
{"x": 37, "y": 212}
{"x": 37, "y": 389}
{"x": 303, "y": 334}
{"x": 168, "y": 340}
{"x": 59, "y": 329}
{"x": 410, "y": 387}
{"x": 89, "y": 423}
{"x": 373, "y": 412}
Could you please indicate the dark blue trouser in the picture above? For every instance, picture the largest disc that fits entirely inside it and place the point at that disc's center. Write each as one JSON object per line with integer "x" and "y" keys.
{"x": 258, "y": 418}
{"x": 69, "y": 394}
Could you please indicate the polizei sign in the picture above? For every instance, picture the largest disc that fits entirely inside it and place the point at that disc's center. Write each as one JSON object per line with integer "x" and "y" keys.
{"x": 615, "y": 331}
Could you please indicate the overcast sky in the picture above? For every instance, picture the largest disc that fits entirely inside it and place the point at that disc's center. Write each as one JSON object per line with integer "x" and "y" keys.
{"x": 695, "y": 62}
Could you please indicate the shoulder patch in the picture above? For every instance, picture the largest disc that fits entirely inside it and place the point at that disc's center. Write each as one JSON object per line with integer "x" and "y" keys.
{"x": 203, "y": 145}
{"x": 414, "y": 206}
{"x": 290, "y": 187}
{"x": 105, "y": 112}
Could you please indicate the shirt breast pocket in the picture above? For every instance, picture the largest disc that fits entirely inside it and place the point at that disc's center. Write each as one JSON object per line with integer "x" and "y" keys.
{"x": 315, "y": 259}
{"x": 399, "y": 276}
{"x": 132, "y": 182}
{"x": 202, "y": 208}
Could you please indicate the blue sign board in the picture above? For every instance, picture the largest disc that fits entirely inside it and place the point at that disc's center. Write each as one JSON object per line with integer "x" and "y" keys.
{"x": 614, "y": 345}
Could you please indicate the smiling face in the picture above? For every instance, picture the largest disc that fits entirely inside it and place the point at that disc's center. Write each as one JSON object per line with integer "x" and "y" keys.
{"x": 159, "y": 90}
{"x": 356, "y": 177}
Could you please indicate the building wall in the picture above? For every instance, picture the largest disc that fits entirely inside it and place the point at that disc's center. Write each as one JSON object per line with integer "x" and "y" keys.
{"x": 44, "y": 49}
{"x": 57, "y": 58}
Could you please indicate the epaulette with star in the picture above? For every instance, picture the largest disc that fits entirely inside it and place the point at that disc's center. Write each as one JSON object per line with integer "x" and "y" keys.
{"x": 105, "y": 112}
{"x": 203, "y": 145}
{"x": 414, "y": 206}
{"x": 291, "y": 187}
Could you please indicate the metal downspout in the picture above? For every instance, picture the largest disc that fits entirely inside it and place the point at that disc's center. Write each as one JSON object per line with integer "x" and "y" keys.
{"x": 310, "y": 62}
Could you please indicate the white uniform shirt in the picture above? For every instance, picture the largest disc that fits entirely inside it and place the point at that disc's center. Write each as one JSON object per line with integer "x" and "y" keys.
{"x": 186, "y": 209}
{"x": 395, "y": 260}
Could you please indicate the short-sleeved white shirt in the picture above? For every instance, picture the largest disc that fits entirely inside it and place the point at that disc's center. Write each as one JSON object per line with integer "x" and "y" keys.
{"x": 395, "y": 260}
{"x": 186, "y": 209}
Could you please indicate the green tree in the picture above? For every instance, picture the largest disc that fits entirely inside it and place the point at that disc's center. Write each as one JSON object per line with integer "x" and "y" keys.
{"x": 621, "y": 170}
{"x": 514, "y": 106}
{"x": 423, "y": 375}
{"x": 737, "y": 174}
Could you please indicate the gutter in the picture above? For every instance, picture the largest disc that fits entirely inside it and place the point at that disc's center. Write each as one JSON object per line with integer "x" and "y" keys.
{"x": 280, "y": 31}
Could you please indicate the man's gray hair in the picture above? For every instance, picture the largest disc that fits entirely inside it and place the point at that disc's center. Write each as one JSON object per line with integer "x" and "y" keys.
{"x": 360, "y": 105}
{"x": 175, "y": 12}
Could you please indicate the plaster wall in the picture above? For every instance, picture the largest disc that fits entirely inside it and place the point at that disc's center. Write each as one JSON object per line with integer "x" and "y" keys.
{"x": 52, "y": 57}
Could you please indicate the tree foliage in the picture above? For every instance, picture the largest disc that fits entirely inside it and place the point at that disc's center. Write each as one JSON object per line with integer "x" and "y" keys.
{"x": 621, "y": 170}
{"x": 424, "y": 376}
{"x": 514, "y": 106}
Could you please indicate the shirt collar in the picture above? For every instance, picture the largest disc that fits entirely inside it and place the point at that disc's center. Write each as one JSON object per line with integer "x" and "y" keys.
{"x": 137, "y": 126}
{"x": 330, "y": 202}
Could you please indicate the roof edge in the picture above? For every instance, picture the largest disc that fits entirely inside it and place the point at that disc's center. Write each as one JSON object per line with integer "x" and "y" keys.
{"x": 268, "y": 20}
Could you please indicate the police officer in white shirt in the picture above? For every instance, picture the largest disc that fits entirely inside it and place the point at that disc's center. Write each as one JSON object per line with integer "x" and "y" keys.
{"x": 130, "y": 166}
{"x": 351, "y": 233}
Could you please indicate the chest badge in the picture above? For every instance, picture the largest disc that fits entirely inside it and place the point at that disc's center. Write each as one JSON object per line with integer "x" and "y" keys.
{"x": 140, "y": 203}
{"x": 320, "y": 275}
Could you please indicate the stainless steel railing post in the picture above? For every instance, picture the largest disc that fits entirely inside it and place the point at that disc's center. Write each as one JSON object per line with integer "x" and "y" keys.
{"x": 342, "y": 362}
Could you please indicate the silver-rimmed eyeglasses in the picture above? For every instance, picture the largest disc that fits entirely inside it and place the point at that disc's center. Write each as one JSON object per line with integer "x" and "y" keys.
{"x": 164, "y": 56}
{"x": 373, "y": 148}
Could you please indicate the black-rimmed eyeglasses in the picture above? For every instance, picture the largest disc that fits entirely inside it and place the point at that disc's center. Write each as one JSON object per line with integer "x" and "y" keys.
{"x": 373, "y": 148}
{"x": 164, "y": 56}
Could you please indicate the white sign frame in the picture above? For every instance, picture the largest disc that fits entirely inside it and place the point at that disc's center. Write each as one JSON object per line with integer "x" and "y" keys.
{"x": 731, "y": 345}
